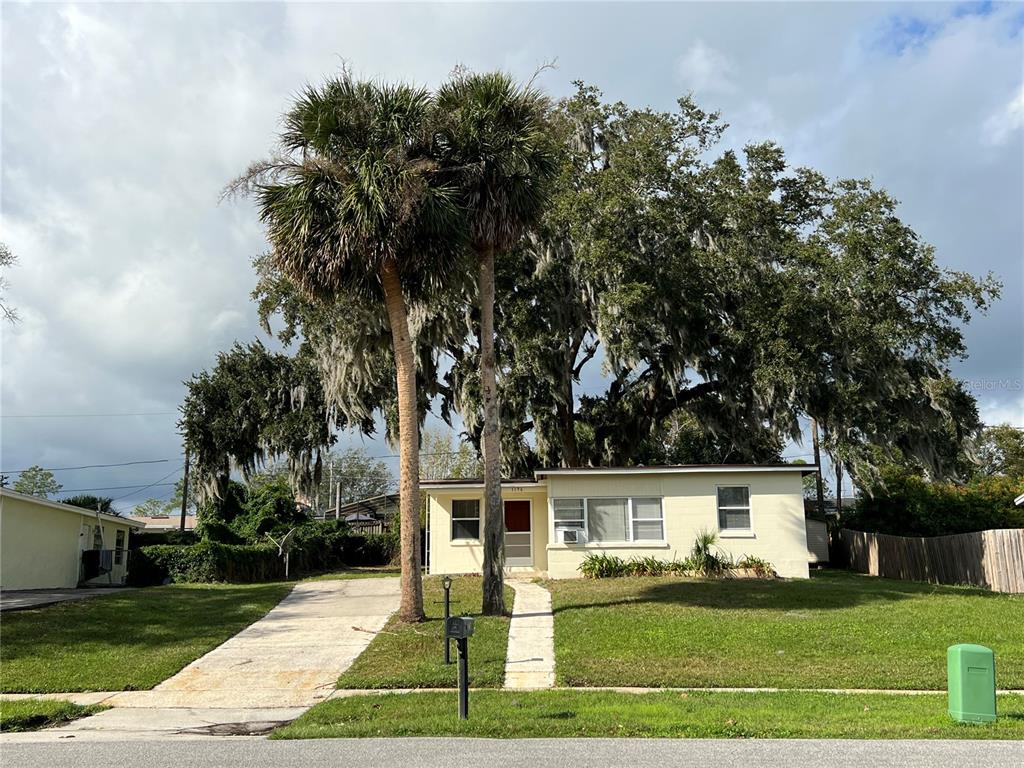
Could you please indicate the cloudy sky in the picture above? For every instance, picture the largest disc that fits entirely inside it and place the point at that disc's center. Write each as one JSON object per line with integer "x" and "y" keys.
{"x": 122, "y": 123}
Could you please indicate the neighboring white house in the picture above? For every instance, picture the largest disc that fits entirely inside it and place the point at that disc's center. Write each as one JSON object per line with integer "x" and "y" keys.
{"x": 42, "y": 544}
{"x": 165, "y": 523}
{"x": 558, "y": 517}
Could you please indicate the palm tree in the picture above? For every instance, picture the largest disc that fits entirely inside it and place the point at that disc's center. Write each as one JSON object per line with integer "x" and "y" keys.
{"x": 355, "y": 204}
{"x": 494, "y": 131}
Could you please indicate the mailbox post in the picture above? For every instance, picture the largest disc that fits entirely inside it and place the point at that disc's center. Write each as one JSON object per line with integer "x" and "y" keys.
{"x": 460, "y": 629}
{"x": 446, "y": 582}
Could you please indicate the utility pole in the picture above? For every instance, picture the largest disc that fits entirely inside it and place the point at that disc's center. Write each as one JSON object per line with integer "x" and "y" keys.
{"x": 184, "y": 491}
{"x": 839, "y": 488}
{"x": 330, "y": 489}
{"x": 817, "y": 462}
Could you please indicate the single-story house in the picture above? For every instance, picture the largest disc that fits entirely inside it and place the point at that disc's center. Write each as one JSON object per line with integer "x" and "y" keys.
{"x": 164, "y": 523}
{"x": 555, "y": 519}
{"x": 48, "y": 545}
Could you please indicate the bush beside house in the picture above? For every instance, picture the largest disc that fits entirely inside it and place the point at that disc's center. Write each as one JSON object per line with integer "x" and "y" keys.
{"x": 212, "y": 561}
{"x": 908, "y": 505}
{"x": 704, "y": 561}
{"x": 233, "y": 543}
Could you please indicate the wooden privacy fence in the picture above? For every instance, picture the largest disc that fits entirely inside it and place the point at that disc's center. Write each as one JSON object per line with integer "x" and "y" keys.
{"x": 990, "y": 559}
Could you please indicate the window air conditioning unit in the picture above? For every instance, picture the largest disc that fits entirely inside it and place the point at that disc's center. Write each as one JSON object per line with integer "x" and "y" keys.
{"x": 573, "y": 536}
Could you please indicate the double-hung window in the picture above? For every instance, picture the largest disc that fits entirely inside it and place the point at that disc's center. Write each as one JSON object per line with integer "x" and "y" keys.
{"x": 647, "y": 522}
{"x": 119, "y": 547}
{"x": 617, "y": 520}
{"x": 569, "y": 515}
{"x": 733, "y": 508}
{"x": 465, "y": 519}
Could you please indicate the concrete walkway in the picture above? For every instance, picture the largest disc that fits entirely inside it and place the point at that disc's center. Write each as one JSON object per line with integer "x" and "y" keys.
{"x": 267, "y": 674}
{"x": 530, "y": 662}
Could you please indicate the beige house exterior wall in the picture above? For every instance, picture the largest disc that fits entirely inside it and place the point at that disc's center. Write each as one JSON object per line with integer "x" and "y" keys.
{"x": 41, "y": 543}
{"x": 447, "y": 556}
{"x": 689, "y": 504}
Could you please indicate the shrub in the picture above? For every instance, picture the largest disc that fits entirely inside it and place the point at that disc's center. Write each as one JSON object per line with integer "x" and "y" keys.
{"x": 761, "y": 568}
{"x": 226, "y": 508}
{"x": 602, "y": 566}
{"x": 268, "y": 508}
{"x": 702, "y": 562}
{"x": 316, "y": 546}
{"x": 207, "y": 561}
{"x": 908, "y": 505}
{"x": 219, "y": 532}
{"x": 379, "y": 549}
{"x": 647, "y": 566}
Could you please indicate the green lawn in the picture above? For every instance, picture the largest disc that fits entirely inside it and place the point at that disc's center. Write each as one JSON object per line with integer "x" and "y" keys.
{"x": 33, "y": 714}
{"x": 836, "y": 630}
{"x": 561, "y": 714}
{"x": 412, "y": 655}
{"x": 127, "y": 640}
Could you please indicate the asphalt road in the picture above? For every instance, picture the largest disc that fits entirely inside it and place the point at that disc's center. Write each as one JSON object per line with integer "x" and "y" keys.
{"x": 534, "y": 753}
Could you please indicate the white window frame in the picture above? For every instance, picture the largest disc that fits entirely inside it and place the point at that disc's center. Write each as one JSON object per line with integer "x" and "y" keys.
{"x": 478, "y": 518}
{"x": 120, "y": 544}
{"x": 563, "y": 525}
{"x": 515, "y": 533}
{"x": 633, "y": 518}
{"x": 735, "y": 532}
{"x": 630, "y": 513}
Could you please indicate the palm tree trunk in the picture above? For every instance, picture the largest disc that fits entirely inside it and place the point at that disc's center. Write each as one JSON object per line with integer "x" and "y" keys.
{"x": 411, "y": 608}
{"x": 494, "y": 514}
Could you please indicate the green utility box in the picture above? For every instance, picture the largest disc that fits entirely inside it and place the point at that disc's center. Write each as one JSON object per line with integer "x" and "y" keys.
{"x": 971, "y": 670}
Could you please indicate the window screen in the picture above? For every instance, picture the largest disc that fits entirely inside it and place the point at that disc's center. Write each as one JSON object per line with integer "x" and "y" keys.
{"x": 568, "y": 513}
{"x": 734, "y": 508}
{"x": 648, "y": 524}
{"x": 465, "y": 519}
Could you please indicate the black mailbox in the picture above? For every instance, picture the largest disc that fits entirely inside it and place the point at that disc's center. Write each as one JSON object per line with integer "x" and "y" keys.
{"x": 458, "y": 627}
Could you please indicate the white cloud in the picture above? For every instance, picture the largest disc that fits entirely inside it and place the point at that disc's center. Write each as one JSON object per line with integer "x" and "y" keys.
{"x": 706, "y": 70}
{"x": 1001, "y": 127}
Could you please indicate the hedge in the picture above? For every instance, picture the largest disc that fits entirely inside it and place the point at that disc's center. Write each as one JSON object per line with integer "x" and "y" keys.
{"x": 316, "y": 547}
{"x": 906, "y": 505}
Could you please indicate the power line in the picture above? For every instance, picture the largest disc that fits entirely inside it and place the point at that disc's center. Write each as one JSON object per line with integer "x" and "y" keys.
{"x": 82, "y": 415}
{"x": 113, "y": 487}
{"x": 152, "y": 485}
{"x": 89, "y": 466}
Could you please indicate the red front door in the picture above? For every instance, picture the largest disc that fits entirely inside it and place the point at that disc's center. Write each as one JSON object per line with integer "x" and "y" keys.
{"x": 518, "y": 532}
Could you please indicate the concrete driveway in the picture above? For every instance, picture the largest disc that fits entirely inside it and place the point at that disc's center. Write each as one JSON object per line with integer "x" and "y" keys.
{"x": 268, "y": 673}
{"x": 289, "y": 658}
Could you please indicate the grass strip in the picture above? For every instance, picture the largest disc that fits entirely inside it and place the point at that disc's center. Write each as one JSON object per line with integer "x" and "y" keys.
{"x": 33, "y": 714}
{"x": 568, "y": 714}
{"x": 412, "y": 655}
